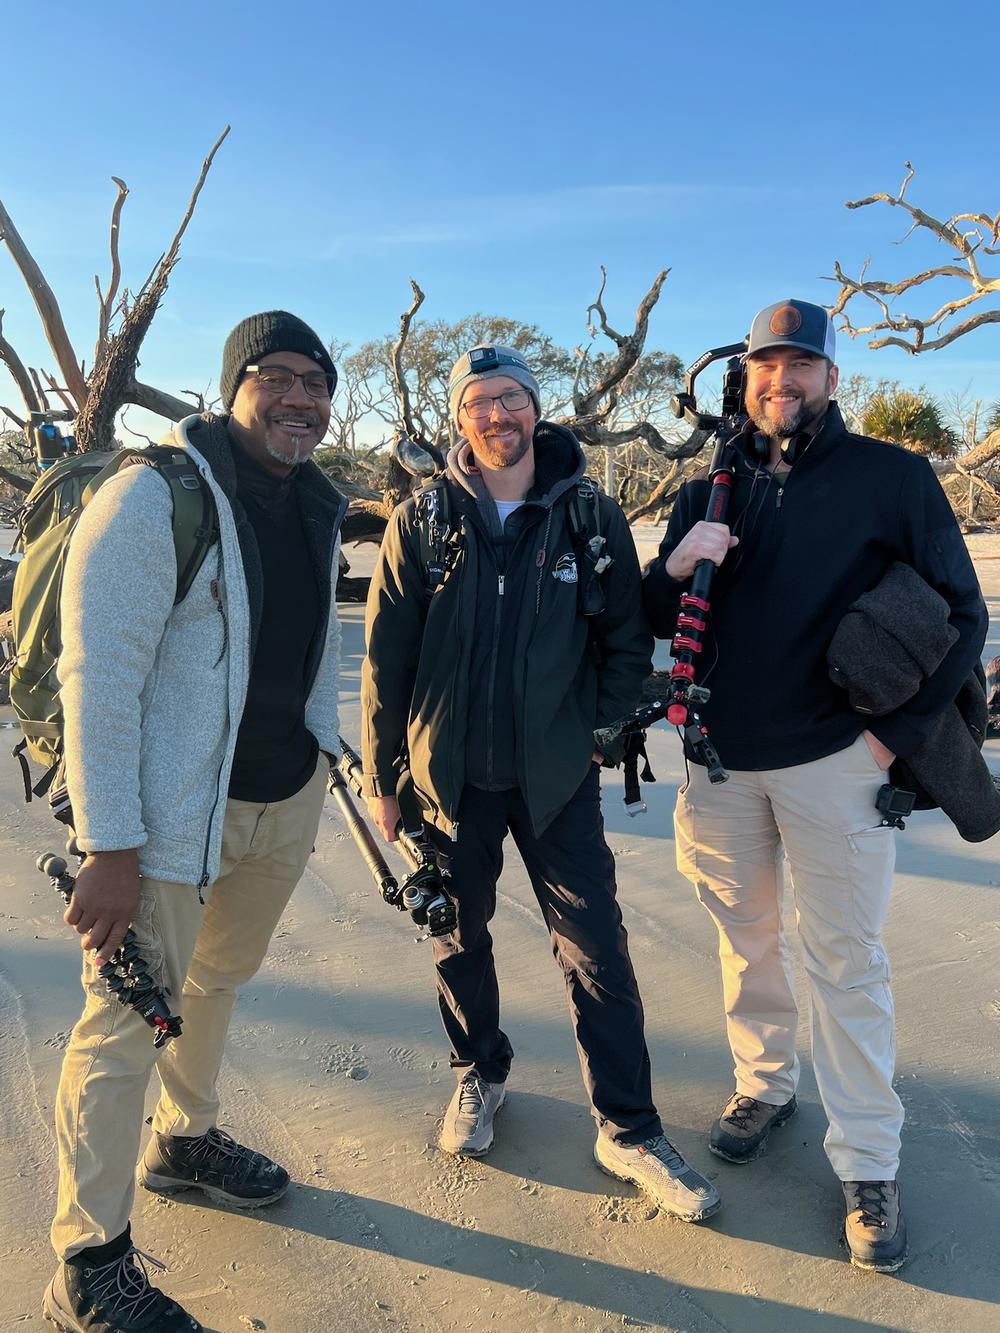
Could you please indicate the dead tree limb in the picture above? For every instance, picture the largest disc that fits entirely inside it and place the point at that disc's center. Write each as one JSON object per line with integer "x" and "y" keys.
{"x": 981, "y": 454}
{"x": 399, "y": 374}
{"x": 155, "y": 400}
{"x": 42, "y": 396}
{"x": 12, "y": 416}
{"x": 970, "y": 236}
{"x": 61, "y": 394}
{"x": 107, "y": 300}
{"x": 47, "y": 307}
{"x": 630, "y": 347}
{"x": 19, "y": 374}
{"x": 112, "y": 382}
{"x": 22, "y": 484}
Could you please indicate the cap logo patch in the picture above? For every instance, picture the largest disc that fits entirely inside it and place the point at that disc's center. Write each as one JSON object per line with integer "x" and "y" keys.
{"x": 785, "y": 321}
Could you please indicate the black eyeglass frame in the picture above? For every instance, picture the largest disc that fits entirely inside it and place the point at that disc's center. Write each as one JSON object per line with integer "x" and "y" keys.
{"x": 258, "y": 371}
{"x": 496, "y": 398}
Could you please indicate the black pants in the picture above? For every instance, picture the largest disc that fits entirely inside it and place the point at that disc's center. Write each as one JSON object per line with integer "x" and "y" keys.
{"x": 572, "y": 873}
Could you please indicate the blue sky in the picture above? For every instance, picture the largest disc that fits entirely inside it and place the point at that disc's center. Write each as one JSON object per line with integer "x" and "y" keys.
{"x": 498, "y": 154}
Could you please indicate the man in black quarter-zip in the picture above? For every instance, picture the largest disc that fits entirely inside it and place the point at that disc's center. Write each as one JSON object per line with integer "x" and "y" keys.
{"x": 488, "y": 683}
{"x": 817, "y": 516}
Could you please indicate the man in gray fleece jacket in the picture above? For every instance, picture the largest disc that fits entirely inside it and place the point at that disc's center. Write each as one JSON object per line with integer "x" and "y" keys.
{"x": 198, "y": 741}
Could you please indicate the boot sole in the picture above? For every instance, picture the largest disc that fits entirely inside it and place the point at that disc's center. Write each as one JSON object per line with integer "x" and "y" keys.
{"x": 149, "y": 1180}
{"x": 475, "y": 1152}
{"x": 873, "y": 1266}
{"x": 55, "y": 1314}
{"x": 761, "y": 1147}
{"x": 701, "y": 1216}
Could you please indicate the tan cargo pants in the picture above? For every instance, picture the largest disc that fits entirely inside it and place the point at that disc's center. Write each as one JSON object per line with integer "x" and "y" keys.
{"x": 200, "y": 954}
{"x": 729, "y": 841}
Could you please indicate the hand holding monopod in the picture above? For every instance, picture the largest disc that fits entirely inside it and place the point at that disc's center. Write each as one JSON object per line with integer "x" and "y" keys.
{"x": 423, "y": 892}
{"x": 684, "y": 695}
{"x": 126, "y": 974}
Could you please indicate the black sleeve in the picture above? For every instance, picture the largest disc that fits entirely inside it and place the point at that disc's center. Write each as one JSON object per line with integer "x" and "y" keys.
{"x": 660, "y": 593}
{"x": 935, "y": 547}
{"x": 625, "y": 640}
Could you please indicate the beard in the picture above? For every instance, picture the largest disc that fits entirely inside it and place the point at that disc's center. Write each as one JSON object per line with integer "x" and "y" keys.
{"x": 290, "y": 451}
{"x": 790, "y": 418}
{"x": 496, "y": 455}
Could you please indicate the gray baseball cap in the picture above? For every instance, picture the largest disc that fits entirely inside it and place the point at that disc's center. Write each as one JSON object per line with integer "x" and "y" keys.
{"x": 483, "y": 362}
{"x": 793, "y": 323}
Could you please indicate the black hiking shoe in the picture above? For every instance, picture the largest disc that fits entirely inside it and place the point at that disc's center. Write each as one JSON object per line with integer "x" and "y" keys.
{"x": 215, "y": 1163}
{"x": 874, "y": 1229}
{"x": 113, "y": 1297}
{"x": 741, "y": 1131}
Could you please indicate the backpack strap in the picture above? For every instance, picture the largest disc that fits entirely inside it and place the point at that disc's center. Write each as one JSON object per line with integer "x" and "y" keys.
{"x": 193, "y": 521}
{"x": 583, "y": 515}
{"x": 439, "y": 540}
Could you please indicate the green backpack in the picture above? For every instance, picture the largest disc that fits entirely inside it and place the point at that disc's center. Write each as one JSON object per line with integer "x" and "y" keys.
{"x": 46, "y": 523}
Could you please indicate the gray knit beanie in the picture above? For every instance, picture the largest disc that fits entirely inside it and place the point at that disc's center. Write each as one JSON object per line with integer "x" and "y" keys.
{"x": 259, "y": 335}
{"x": 482, "y": 363}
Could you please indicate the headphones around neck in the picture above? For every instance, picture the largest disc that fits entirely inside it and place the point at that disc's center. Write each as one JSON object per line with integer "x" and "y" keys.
{"x": 792, "y": 448}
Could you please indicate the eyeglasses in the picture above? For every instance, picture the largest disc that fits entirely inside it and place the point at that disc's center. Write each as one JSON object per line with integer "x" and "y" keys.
{"x": 279, "y": 379}
{"x": 514, "y": 400}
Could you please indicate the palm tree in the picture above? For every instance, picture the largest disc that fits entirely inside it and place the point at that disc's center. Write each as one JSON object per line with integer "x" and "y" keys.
{"x": 914, "y": 420}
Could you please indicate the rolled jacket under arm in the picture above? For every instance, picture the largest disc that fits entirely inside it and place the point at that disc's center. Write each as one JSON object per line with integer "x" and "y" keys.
{"x": 936, "y": 548}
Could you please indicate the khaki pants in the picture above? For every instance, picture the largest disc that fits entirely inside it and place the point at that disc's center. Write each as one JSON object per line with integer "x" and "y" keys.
{"x": 729, "y": 842}
{"x": 200, "y": 954}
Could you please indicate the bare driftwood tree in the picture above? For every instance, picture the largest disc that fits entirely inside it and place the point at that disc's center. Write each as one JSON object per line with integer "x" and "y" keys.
{"x": 95, "y": 398}
{"x": 973, "y": 240}
{"x": 593, "y": 396}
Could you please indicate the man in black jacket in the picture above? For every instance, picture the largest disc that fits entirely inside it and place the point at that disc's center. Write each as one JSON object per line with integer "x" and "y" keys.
{"x": 817, "y": 516}
{"x": 491, "y": 684}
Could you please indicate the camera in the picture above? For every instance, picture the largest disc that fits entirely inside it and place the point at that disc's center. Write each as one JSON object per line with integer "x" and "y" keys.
{"x": 894, "y": 804}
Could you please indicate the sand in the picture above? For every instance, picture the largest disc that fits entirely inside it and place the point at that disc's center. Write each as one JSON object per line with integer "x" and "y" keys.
{"x": 338, "y": 1067}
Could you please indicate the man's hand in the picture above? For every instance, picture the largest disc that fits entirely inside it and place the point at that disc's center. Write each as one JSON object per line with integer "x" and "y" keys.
{"x": 104, "y": 900}
{"x": 597, "y": 757}
{"x": 882, "y": 755}
{"x": 384, "y": 811}
{"x": 705, "y": 541}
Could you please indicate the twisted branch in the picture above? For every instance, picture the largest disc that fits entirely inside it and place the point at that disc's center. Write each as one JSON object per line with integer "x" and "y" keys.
{"x": 910, "y": 332}
{"x": 399, "y": 374}
{"x": 19, "y": 373}
{"x": 48, "y": 309}
{"x": 107, "y": 300}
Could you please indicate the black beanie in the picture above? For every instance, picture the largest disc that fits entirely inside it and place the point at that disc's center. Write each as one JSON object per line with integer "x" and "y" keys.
{"x": 259, "y": 335}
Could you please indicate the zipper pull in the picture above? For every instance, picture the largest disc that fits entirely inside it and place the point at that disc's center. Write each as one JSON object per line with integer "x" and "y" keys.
{"x": 781, "y": 491}
{"x": 500, "y": 581}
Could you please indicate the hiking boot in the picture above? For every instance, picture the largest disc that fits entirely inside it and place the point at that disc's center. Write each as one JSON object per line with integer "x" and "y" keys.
{"x": 875, "y": 1230}
{"x": 662, "y": 1173}
{"x": 468, "y": 1121}
{"x": 215, "y": 1163}
{"x": 740, "y": 1133}
{"x": 113, "y": 1297}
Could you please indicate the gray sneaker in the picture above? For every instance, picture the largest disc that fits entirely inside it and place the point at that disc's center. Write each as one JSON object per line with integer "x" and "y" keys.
{"x": 468, "y": 1121}
{"x": 662, "y": 1173}
{"x": 741, "y": 1131}
{"x": 874, "y": 1228}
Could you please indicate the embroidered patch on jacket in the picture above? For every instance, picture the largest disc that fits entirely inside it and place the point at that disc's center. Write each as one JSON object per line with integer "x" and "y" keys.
{"x": 565, "y": 568}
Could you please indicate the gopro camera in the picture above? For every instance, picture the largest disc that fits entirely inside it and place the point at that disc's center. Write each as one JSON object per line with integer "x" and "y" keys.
{"x": 483, "y": 358}
{"x": 894, "y": 804}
